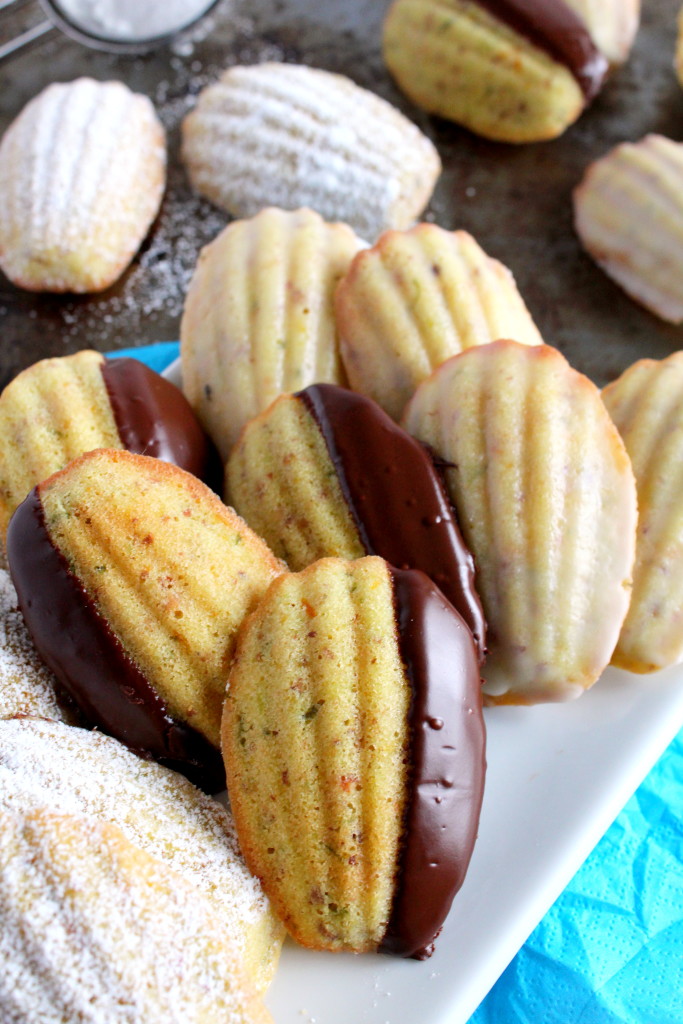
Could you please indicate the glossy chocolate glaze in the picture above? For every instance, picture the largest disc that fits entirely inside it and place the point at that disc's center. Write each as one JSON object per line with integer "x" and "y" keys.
{"x": 448, "y": 764}
{"x": 554, "y": 27}
{"x": 77, "y": 644}
{"x": 396, "y": 498}
{"x": 153, "y": 417}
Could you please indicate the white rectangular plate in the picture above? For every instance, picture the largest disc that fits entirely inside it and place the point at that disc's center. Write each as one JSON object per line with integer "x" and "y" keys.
{"x": 558, "y": 774}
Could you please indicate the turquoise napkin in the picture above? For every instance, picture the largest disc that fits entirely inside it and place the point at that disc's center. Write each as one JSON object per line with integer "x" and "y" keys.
{"x": 610, "y": 950}
{"x": 158, "y": 356}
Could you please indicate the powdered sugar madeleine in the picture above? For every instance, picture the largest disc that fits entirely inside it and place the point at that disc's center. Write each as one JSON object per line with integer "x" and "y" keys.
{"x": 259, "y": 318}
{"x": 94, "y": 929}
{"x": 415, "y": 299}
{"x": 613, "y": 25}
{"x": 84, "y": 772}
{"x": 511, "y": 70}
{"x": 82, "y": 173}
{"x": 289, "y": 135}
{"x": 628, "y": 213}
{"x": 134, "y": 579}
{"x": 59, "y": 408}
{"x": 27, "y": 687}
{"x": 546, "y": 500}
{"x": 354, "y": 749}
{"x": 646, "y": 404}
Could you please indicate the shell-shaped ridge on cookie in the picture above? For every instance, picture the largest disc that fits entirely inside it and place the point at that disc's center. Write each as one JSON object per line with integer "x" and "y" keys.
{"x": 84, "y": 772}
{"x": 289, "y": 135}
{"x": 415, "y": 299}
{"x": 133, "y": 579}
{"x": 326, "y": 472}
{"x": 345, "y": 727}
{"x": 546, "y": 500}
{"x": 259, "y": 320}
{"x": 646, "y": 404}
{"x": 510, "y": 70}
{"x": 82, "y": 174}
{"x": 59, "y": 408}
{"x": 628, "y": 214}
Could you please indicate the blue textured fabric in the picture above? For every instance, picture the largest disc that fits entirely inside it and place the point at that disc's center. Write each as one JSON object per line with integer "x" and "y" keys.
{"x": 610, "y": 950}
{"x": 157, "y": 356}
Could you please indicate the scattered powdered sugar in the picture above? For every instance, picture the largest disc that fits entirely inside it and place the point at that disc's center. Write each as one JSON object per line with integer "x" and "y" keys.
{"x": 77, "y": 771}
{"x": 26, "y": 685}
{"x": 94, "y": 930}
{"x": 155, "y": 286}
{"x": 147, "y": 302}
{"x": 157, "y": 283}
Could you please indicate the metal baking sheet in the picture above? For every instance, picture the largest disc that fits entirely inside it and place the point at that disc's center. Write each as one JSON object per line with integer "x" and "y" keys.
{"x": 515, "y": 200}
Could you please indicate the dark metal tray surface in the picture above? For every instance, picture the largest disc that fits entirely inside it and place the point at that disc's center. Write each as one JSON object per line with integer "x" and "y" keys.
{"x": 515, "y": 200}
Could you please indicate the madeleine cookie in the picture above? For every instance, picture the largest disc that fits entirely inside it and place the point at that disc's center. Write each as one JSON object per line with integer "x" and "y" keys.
{"x": 646, "y": 404}
{"x": 133, "y": 579}
{"x": 354, "y": 748}
{"x": 511, "y": 70}
{"x": 259, "y": 318}
{"x": 289, "y": 135}
{"x": 628, "y": 213}
{"x": 83, "y": 772}
{"x": 613, "y": 25}
{"x": 82, "y": 173}
{"x": 327, "y": 472}
{"x": 415, "y": 299}
{"x": 93, "y": 929}
{"x": 546, "y": 500}
{"x": 59, "y": 408}
{"x": 27, "y": 687}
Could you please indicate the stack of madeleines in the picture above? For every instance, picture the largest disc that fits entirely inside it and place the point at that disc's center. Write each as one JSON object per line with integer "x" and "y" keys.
{"x": 412, "y": 479}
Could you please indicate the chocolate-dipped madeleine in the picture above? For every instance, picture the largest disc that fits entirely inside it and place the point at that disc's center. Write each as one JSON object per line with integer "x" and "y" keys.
{"x": 133, "y": 579}
{"x": 613, "y": 25}
{"x": 355, "y": 754}
{"x": 326, "y": 472}
{"x": 59, "y": 408}
{"x": 511, "y": 70}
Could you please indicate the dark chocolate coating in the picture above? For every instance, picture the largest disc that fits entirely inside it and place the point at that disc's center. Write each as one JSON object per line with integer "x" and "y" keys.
{"x": 448, "y": 759}
{"x": 554, "y": 27}
{"x": 153, "y": 417}
{"x": 77, "y": 644}
{"x": 396, "y": 498}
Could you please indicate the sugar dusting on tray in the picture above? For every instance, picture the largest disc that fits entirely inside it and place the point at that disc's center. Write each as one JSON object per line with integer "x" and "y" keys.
{"x": 154, "y": 288}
